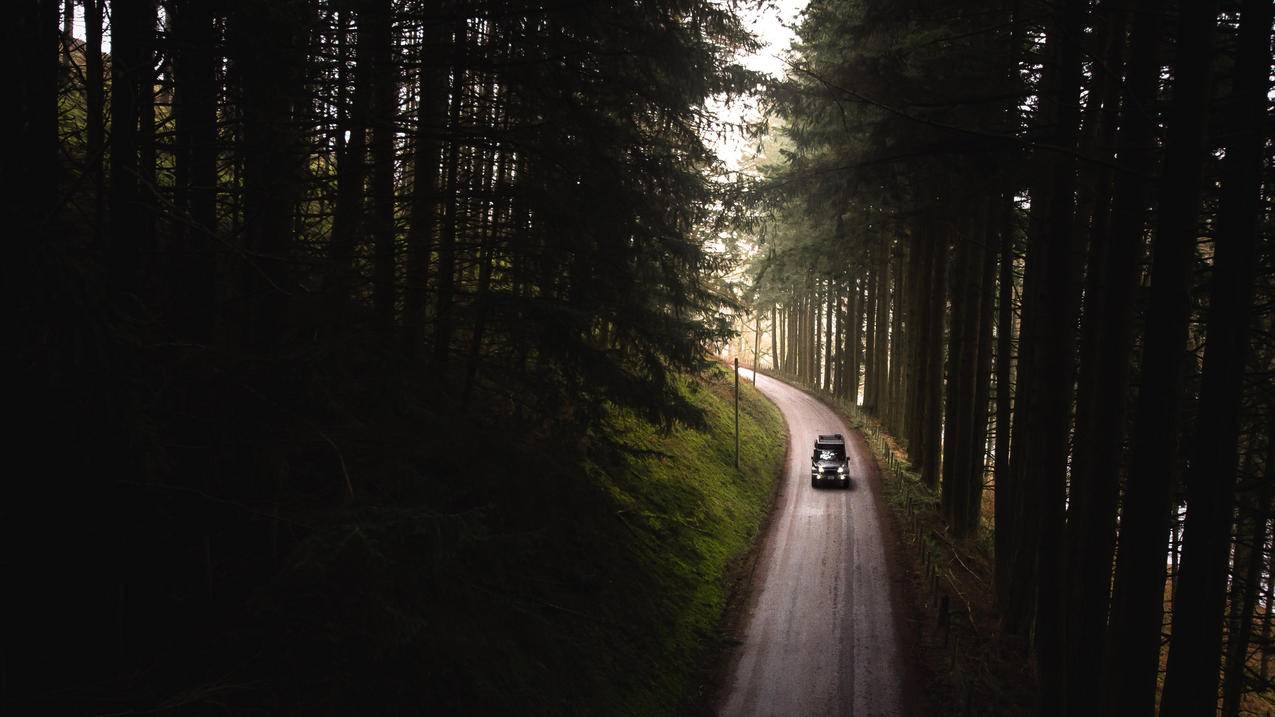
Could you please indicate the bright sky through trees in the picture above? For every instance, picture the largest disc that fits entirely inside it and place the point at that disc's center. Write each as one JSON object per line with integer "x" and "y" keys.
{"x": 771, "y": 22}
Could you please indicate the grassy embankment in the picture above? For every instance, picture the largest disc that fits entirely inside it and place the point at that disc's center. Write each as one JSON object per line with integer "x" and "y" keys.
{"x": 586, "y": 589}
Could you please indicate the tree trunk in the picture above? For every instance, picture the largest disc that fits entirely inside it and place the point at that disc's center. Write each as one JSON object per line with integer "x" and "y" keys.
{"x": 1104, "y": 381}
{"x": 1241, "y": 625}
{"x": 1001, "y": 474}
{"x": 894, "y": 410}
{"x": 347, "y": 219}
{"x": 920, "y": 335}
{"x": 956, "y": 403}
{"x": 1195, "y": 652}
{"x": 982, "y": 375}
{"x": 870, "y": 342}
{"x": 431, "y": 111}
{"x": 271, "y": 69}
{"x": 816, "y": 340}
{"x": 491, "y": 211}
{"x": 30, "y": 172}
{"x": 95, "y": 119}
{"x": 881, "y": 363}
{"x": 774, "y": 337}
{"x": 1137, "y": 609}
{"x": 1052, "y": 381}
{"x": 856, "y": 328}
{"x": 195, "y": 110}
{"x": 384, "y": 109}
{"x": 447, "y": 238}
{"x": 830, "y": 306}
{"x": 128, "y": 70}
{"x": 913, "y": 278}
{"x": 932, "y": 385}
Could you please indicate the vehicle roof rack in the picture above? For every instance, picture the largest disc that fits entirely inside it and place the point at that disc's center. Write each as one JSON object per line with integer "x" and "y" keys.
{"x": 831, "y": 438}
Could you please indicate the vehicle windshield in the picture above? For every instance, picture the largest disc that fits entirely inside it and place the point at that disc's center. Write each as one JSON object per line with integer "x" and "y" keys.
{"x": 830, "y": 453}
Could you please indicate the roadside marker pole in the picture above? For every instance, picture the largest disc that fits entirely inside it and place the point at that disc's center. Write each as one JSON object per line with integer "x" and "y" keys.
{"x": 736, "y": 413}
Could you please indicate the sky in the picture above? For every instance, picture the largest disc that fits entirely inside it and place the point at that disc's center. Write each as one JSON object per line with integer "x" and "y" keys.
{"x": 771, "y": 24}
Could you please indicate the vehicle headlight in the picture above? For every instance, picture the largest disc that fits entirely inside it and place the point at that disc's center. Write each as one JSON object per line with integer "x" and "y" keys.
{"x": 841, "y": 470}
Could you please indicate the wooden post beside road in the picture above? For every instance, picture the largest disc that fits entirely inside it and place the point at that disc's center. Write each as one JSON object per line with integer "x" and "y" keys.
{"x": 737, "y": 413}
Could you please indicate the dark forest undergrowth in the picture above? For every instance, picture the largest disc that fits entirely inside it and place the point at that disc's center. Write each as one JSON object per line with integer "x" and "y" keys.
{"x": 364, "y": 551}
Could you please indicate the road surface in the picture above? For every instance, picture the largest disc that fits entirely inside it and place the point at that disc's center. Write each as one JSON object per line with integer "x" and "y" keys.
{"x": 820, "y": 633}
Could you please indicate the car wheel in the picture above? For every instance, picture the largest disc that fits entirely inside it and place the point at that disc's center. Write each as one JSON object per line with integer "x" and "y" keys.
{"x": 814, "y": 482}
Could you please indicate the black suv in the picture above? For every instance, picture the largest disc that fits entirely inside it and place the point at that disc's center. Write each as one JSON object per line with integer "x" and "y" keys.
{"x": 828, "y": 463}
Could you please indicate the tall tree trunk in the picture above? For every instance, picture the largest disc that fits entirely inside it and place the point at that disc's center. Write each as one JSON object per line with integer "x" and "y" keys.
{"x": 816, "y": 339}
{"x": 1137, "y": 609}
{"x": 919, "y": 334}
{"x": 431, "y": 111}
{"x": 982, "y": 373}
{"x": 94, "y": 108}
{"x": 384, "y": 110}
{"x": 870, "y": 342}
{"x": 881, "y": 363}
{"x": 30, "y": 171}
{"x": 1195, "y": 652}
{"x": 795, "y": 322}
{"x": 898, "y": 348}
{"x": 956, "y": 403}
{"x": 1007, "y": 397}
{"x": 1242, "y": 610}
{"x": 348, "y": 219}
{"x": 931, "y": 430}
{"x": 1002, "y": 476}
{"x": 128, "y": 70}
{"x": 1103, "y": 375}
{"x": 1100, "y": 425}
{"x": 195, "y": 110}
{"x": 267, "y": 33}
{"x": 1047, "y": 438}
{"x": 835, "y": 355}
{"x": 491, "y": 211}
{"x": 447, "y": 239}
{"x": 774, "y": 337}
{"x": 812, "y": 348}
{"x": 785, "y": 316}
{"x": 856, "y": 329}
{"x": 830, "y": 307}
{"x": 1268, "y": 594}
{"x": 148, "y": 195}
{"x": 1043, "y": 399}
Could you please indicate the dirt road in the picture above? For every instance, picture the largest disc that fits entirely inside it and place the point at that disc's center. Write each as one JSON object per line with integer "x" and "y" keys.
{"x": 820, "y": 634}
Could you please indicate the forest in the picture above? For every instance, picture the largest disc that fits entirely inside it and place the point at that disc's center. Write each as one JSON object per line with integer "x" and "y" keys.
{"x": 344, "y": 328}
{"x": 1034, "y": 240}
{"x": 367, "y": 350}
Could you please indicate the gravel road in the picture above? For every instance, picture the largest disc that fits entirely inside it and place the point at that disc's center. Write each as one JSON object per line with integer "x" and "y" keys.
{"x": 820, "y": 633}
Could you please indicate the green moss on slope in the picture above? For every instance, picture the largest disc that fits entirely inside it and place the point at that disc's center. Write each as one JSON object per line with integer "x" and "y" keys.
{"x": 568, "y": 586}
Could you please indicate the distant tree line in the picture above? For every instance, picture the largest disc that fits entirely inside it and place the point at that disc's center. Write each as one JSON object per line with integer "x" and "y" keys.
{"x": 1034, "y": 239}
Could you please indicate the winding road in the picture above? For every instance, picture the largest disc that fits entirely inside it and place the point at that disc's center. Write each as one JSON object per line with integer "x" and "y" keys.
{"x": 820, "y": 634}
